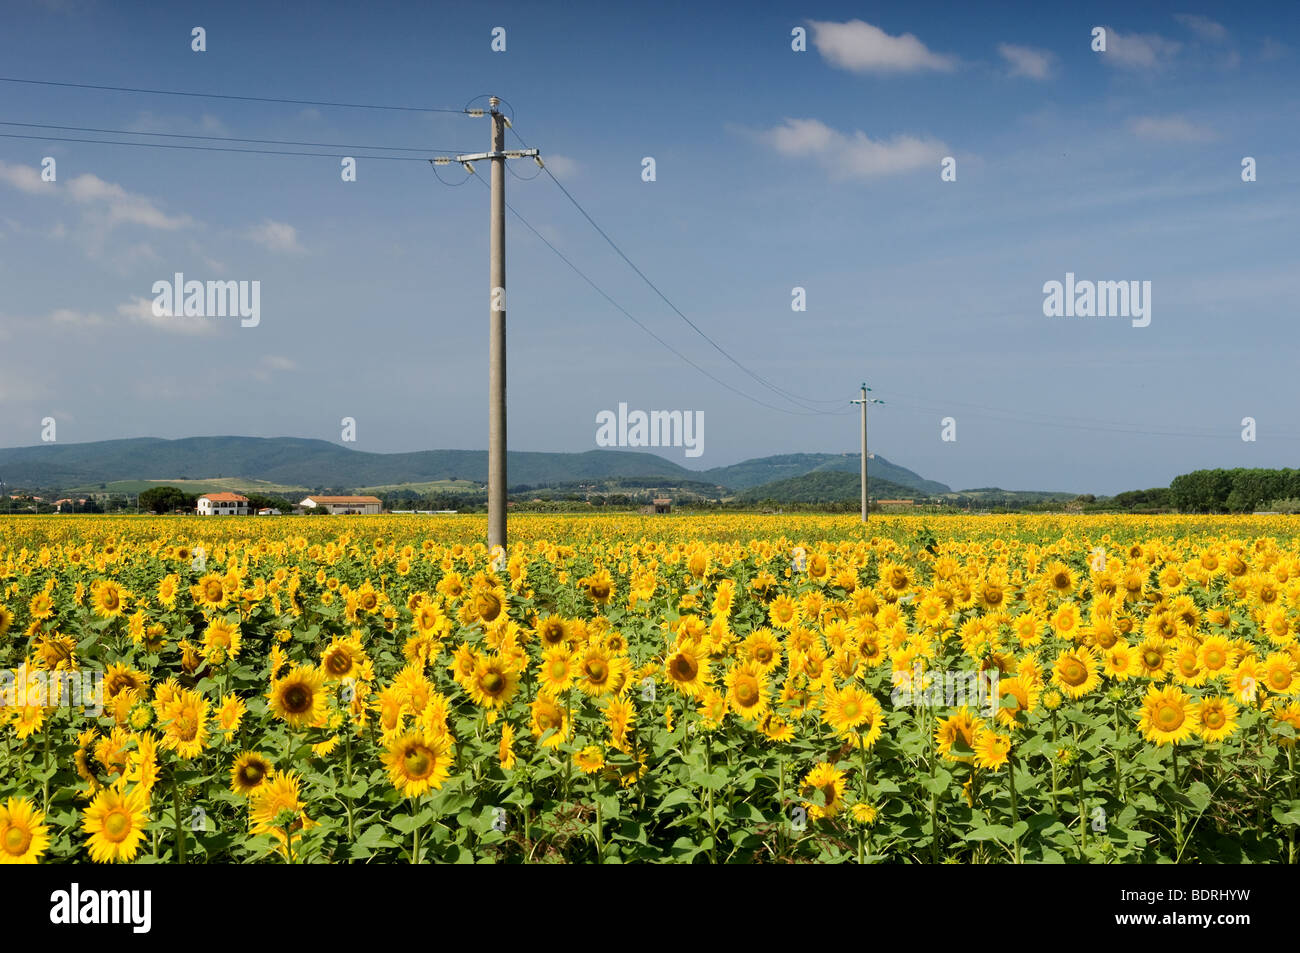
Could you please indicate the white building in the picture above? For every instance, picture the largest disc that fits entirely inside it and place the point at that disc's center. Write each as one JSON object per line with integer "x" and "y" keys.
{"x": 223, "y": 504}
{"x": 365, "y": 505}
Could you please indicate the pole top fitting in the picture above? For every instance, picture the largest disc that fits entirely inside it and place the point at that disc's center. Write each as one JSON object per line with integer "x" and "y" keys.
{"x": 494, "y": 101}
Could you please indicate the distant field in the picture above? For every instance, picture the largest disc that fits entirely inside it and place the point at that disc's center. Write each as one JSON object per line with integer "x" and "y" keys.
{"x": 214, "y": 485}
{"x": 429, "y": 486}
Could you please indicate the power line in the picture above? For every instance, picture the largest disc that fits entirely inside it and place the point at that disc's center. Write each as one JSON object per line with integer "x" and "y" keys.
{"x": 794, "y": 398}
{"x": 181, "y": 135}
{"x": 1062, "y": 422}
{"x": 631, "y": 317}
{"x": 252, "y": 99}
{"x": 171, "y": 145}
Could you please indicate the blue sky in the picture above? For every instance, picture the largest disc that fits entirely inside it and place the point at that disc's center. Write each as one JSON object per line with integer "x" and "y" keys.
{"x": 775, "y": 169}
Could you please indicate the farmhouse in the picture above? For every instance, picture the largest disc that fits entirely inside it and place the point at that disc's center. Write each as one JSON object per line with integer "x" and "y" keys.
{"x": 345, "y": 504}
{"x": 658, "y": 506}
{"x": 223, "y": 504}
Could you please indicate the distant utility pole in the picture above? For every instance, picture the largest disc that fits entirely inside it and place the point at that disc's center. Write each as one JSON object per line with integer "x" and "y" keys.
{"x": 864, "y": 400}
{"x": 496, "y": 314}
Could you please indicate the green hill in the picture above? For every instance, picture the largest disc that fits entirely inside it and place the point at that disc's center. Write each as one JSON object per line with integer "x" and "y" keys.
{"x": 281, "y": 464}
{"x": 752, "y": 473}
{"x": 825, "y": 486}
{"x": 292, "y": 461}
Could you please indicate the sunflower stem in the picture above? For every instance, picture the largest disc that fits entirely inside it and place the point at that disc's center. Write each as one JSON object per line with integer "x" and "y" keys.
{"x": 415, "y": 830}
{"x": 1083, "y": 816}
{"x": 1178, "y": 810}
{"x": 1015, "y": 808}
{"x": 708, "y": 770}
{"x": 1290, "y": 767}
{"x": 176, "y": 815}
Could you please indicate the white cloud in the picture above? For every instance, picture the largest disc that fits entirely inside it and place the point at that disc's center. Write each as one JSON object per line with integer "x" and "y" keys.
{"x": 269, "y": 365}
{"x": 863, "y": 48}
{"x": 140, "y": 311}
{"x": 207, "y": 125}
{"x": 1203, "y": 27}
{"x": 562, "y": 166}
{"x": 1170, "y": 129}
{"x": 120, "y": 206}
{"x": 24, "y": 178}
{"x": 275, "y": 236}
{"x": 66, "y": 317}
{"x": 1026, "y": 61}
{"x": 108, "y": 203}
{"x": 855, "y": 156}
{"x": 1138, "y": 50}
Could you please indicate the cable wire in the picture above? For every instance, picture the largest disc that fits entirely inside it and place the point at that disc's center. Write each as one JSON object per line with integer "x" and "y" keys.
{"x": 181, "y": 135}
{"x": 171, "y": 145}
{"x": 253, "y": 99}
{"x": 581, "y": 274}
{"x": 794, "y": 398}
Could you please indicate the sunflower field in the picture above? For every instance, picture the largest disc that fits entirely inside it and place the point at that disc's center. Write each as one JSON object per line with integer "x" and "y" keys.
{"x": 722, "y": 689}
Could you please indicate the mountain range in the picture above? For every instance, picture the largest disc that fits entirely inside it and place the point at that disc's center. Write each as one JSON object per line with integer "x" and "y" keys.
{"x": 293, "y": 462}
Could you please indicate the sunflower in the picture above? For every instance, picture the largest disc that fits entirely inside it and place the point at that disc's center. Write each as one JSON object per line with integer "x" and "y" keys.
{"x": 600, "y": 587}
{"x": 493, "y": 683}
{"x": 297, "y": 698}
{"x": 23, "y": 834}
{"x": 823, "y": 787}
{"x": 108, "y": 598}
{"x": 116, "y": 821}
{"x": 210, "y": 592}
{"x": 1288, "y": 714}
{"x": 418, "y": 762}
{"x": 783, "y": 612}
{"x": 1152, "y": 659}
{"x": 186, "y": 730}
{"x": 763, "y": 647}
{"x": 955, "y": 735}
{"x": 620, "y": 715}
{"x": 1117, "y": 661}
{"x": 747, "y": 690}
{"x": 276, "y": 796}
{"x": 773, "y": 726}
{"x": 991, "y": 749}
{"x": 1015, "y": 695}
{"x": 1280, "y": 674}
{"x": 552, "y": 631}
{"x": 221, "y": 640}
{"x": 231, "y": 713}
{"x": 1244, "y": 678}
{"x": 600, "y": 671}
{"x": 1216, "y": 656}
{"x": 556, "y": 670}
{"x": 1075, "y": 672}
{"x": 590, "y": 759}
{"x": 343, "y": 658}
{"x": 506, "y": 747}
{"x": 1059, "y": 578}
{"x": 1166, "y": 717}
{"x": 550, "y": 721}
{"x": 688, "y": 669}
{"x": 1216, "y": 718}
{"x": 249, "y": 771}
{"x": 844, "y": 710}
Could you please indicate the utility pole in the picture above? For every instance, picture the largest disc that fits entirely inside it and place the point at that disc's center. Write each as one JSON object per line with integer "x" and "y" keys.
{"x": 497, "y": 154}
{"x": 864, "y": 400}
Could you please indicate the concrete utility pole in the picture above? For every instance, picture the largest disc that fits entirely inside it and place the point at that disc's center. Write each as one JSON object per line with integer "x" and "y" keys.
{"x": 497, "y": 154}
{"x": 864, "y": 400}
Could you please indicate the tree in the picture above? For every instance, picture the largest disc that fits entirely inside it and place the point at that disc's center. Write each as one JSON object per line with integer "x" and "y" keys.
{"x": 165, "y": 499}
